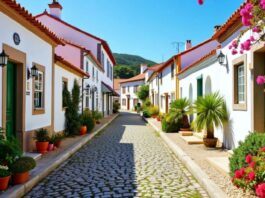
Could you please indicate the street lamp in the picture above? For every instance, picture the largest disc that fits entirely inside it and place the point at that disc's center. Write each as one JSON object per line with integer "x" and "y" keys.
{"x": 221, "y": 58}
{"x": 3, "y": 59}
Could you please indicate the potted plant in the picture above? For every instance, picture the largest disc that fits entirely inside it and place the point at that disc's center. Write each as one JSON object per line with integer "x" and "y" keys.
{"x": 4, "y": 177}
{"x": 97, "y": 116}
{"x": 211, "y": 113}
{"x": 180, "y": 109}
{"x": 42, "y": 140}
{"x": 20, "y": 169}
{"x": 83, "y": 128}
{"x": 51, "y": 143}
{"x": 10, "y": 150}
{"x": 58, "y": 140}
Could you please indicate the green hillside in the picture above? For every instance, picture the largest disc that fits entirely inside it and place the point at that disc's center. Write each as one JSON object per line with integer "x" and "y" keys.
{"x": 129, "y": 65}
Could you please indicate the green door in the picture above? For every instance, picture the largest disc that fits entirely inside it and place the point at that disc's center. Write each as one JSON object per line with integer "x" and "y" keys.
{"x": 11, "y": 101}
{"x": 199, "y": 87}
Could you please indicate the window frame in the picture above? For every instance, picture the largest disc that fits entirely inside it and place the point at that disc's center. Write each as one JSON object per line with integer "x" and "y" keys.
{"x": 64, "y": 80}
{"x": 239, "y": 62}
{"x": 172, "y": 70}
{"x": 41, "y": 110}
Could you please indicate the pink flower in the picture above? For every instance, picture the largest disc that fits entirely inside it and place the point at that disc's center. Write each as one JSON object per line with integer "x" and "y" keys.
{"x": 251, "y": 176}
{"x": 252, "y": 164}
{"x": 262, "y": 4}
{"x": 260, "y": 190}
{"x": 246, "y": 14}
{"x": 262, "y": 149}
{"x": 235, "y": 43}
{"x": 234, "y": 52}
{"x": 200, "y": 2}
{"x": 260, "y": 80}
{"x": 256, "y": 29}
{"x": 248, "y": 158}
{"x": 252, "y": 39}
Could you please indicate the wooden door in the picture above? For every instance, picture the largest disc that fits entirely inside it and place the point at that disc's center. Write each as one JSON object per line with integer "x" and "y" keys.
{"x": 128, "y": 103}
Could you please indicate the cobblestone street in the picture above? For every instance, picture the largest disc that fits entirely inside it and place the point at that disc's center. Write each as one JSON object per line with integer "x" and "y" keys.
{"x": 128, "y": 159}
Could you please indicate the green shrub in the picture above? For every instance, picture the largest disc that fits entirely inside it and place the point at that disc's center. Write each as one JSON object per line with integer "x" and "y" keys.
{"x": 2, "y": 134}
{"x": 147, "y": 103}
{"x": 251, "y": 145}
{"x": 154, "y": 110}
{"x": 143, "y": 92}
{"x": 42, "y": 135}
{"x": 97, "y": 115}
{"x": 146, "y": 112}
{"x": 23, "y": 164}
{"x": 116, "y": 107}
{"x": 87, "y": 120}
{"x": 4, "y": 171}
{"x": 10, "y": 150}
{"x": 170, "y": 125}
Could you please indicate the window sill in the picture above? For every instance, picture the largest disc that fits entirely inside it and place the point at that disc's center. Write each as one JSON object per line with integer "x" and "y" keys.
{"x": 38, "y": 111}
{"x": 240, "y": 107}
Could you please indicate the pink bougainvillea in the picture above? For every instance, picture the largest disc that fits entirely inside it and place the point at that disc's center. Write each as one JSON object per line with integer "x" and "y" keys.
{"x": 260, "y": 190}
{"x": 260, "y": 80}
{"x": 200, "y": 2}
{"x": 248, "y": 159}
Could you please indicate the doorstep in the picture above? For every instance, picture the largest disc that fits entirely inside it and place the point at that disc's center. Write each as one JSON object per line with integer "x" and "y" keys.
{"x": 35, "y": 156}
{"x": 53, "y": 160}
{"x": 220, "y": 163}
{"x": 192, "y": 139}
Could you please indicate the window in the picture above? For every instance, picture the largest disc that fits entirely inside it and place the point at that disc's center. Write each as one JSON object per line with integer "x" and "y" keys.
{"x": 156, "y": 80}
{"x": 97, "y": 75}
{"x": 123, "y": 102}
{"x": 123, "y": 90}
{"x": 64, "y": 88}
{"x": 87, "y": 67}
{"x": 111, "y": 73}
{"x": 108, "y": 67}
{"x": 172, "y": 70}
{"x": 240, "y": 85}
{"x": 128, "y": 89}
{"x": 135, "y": 102}
{"x": 102, "y": 59}
{"x": 135, "y": 89}
{"x": 93, "y": 73}
{"x": 38, "y": 91}
{"x": 161, "y": 102}
{"x": 161, "y": 78}
{"x": 87, "y": 99}
{"x": 172, "y": 96}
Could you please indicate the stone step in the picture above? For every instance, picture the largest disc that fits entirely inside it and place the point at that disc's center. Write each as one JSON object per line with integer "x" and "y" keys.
{"x": 35, "y": 156}
{"x": 186, "y": 133}
{"x": 192, "y": 139}
{"x": 220, "y": 163}
{"x": 198, "y": 134}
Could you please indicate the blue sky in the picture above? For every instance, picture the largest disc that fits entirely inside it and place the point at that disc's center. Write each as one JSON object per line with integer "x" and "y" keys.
{"x": 143, "y": 27}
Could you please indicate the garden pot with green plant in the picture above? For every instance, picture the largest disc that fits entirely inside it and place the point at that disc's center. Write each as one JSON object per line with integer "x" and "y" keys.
{"x": 5, "y": 175}
{"x": 51, "y": 143}
{"x": 88, "y": 120}
{"x": 42, "y": 140}
{"x": 58, "y": 139}
{"x": 97, "y": 116}
{"x": 20, "y": 169}
{"x": 211, "y": 113}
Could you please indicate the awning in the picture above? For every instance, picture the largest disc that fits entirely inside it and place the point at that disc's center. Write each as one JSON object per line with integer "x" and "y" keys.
{"x": 108, "y": 90}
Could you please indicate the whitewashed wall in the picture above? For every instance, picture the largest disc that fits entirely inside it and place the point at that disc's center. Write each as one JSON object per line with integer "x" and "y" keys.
{"x": 59, "y": 112}
{"x": 130, "y": 92}
{"x": 38, "y": 51}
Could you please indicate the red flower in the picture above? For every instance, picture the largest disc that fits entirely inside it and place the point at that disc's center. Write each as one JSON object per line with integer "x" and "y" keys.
{"x": 239, "y": 173}
{"x": 260, "y": 190}
{"x": 262, "y": 149}
{"x": 200, "y": 2}
{"x": 248, "y": 159}
{"x": 251, "y": 176}
{"x": 252, "y": 164}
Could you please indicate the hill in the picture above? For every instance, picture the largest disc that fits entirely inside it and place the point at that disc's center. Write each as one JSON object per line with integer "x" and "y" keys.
{"x": 129, "y": 65}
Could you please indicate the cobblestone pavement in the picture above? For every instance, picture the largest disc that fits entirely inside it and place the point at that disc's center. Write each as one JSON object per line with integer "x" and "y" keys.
{"x": 127, "y": 160}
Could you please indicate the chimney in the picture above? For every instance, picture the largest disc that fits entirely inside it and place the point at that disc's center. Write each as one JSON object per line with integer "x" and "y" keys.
{"x": 143, "y": 68}
{"x": 55, "y": 9}
{"x": 188, "y": 45}
{"x": 216, "y": 28}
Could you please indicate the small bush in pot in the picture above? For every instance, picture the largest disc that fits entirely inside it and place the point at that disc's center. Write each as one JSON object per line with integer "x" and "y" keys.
{"x": 88, "y": 120}
{"x": 83, "y": 127}
{"x": 169, "y": 124}
{"x": 58, "y": 139}
{"x": 154, "y": 111}
{"x": 4, "y": 177}
{"x": 20, "y": 169}
{"x": 116, "y": 107}
{"x": 211, "y": 113}
{"x": 146, "y": 113}
{"x": 42, "y": 140}
{"x": 10, "y": 150}
{"x": 97, "y": 116}
{"x": 51, "y": 143}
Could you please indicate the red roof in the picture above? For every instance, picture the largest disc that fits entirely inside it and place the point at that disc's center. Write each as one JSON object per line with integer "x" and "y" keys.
{"x": 229, "y": 23}
{"x": 71, "y": 66}
{"x": 87, "y": 51}
{"x": 135, "y": 78}
{"x": 116, "y": 83}
{"x": 212, "y": 53}
{"x": 155, "y": 67}
{"x": 103, "y": 42}
{"x": 16, "y": 7}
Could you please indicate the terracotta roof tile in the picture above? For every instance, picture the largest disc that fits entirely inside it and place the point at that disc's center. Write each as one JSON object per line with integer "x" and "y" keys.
{"x": 135, "y": 78}
{"x": 30, "y": 18}
{"x": 116, "y": 83}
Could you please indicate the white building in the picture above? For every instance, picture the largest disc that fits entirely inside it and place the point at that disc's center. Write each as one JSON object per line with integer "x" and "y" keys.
{"x": 235, "y": 79}
{"x": 129, "y": 88}
{"x": 26, "y": 101}
{"x": 97, "y": 46}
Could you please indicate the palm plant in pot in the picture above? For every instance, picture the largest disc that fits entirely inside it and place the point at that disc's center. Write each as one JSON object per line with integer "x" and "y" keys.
{"x": 4, "y": 177}
{"x": 42, "y": 140}
{"x": 180, "y": 109}
{"x": 20, "y": 169}
{"x": 211, "y": 113}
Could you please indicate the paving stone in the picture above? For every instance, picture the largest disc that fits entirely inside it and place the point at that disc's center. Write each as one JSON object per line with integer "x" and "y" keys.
{"x": 128, "y": 160}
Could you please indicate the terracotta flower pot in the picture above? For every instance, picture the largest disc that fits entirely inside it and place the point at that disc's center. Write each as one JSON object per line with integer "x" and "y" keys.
{"x": 83, "y": 130}
{"x": 42, "y": 147}
{"x": 20, "y": 178}
{"x": 51, "y": 147}
{"x": 210, "y": 142}
{"x": 154, "y": 116}
{"x": 57, "y": 144}
{"x": 97, "y": 122}
{"x": 4, "y": 182}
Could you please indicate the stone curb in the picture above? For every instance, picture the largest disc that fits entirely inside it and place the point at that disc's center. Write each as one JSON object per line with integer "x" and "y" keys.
{"x": 21, "y": 190}
{"x": 210, "y": 186}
